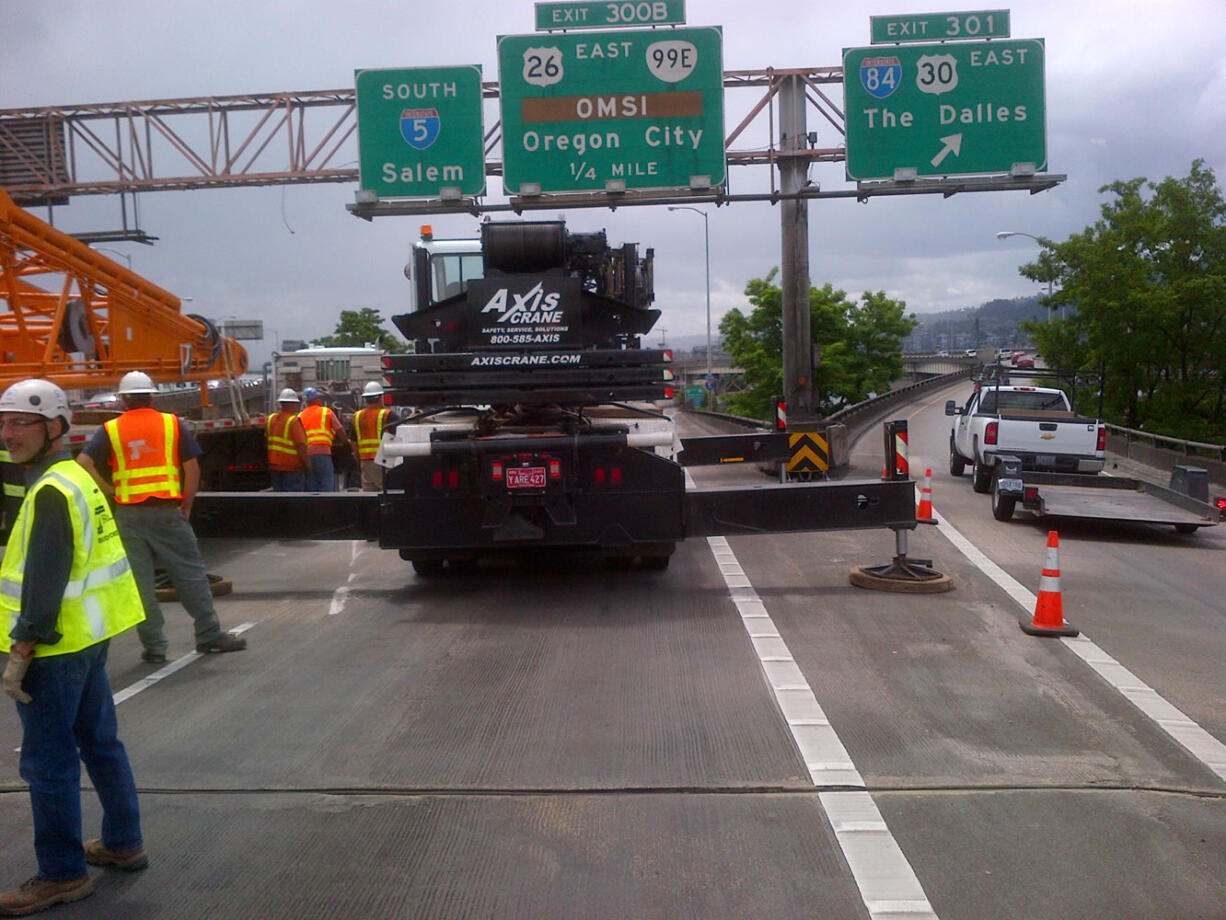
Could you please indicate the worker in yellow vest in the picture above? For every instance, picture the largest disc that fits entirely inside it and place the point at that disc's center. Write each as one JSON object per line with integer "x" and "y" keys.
{"x": 369, "y": 424}
{"x": 14, "y": 490}
{"x": 287, "y": 445}
{"x": 322, "y": 429}
{"x": 67, "y": 590}
{"x": 151, "y": 461}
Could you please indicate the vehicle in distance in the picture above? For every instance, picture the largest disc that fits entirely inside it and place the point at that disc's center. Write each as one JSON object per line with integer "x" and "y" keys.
{"x": 1037, "y": 425}
{"x": 1023, "y": 361}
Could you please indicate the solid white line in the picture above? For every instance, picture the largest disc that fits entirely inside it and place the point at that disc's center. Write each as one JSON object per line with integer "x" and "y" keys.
{"x": 162, "y": 673}
{"x": 1186, "y": 732}
{"x": 887, "y": 883}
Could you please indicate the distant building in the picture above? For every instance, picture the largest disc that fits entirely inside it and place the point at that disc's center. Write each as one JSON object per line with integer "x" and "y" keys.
{"x": 334, "y": 370}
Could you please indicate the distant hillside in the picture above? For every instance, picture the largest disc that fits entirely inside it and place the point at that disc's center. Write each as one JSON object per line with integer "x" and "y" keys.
{"x": 993, "y": 323}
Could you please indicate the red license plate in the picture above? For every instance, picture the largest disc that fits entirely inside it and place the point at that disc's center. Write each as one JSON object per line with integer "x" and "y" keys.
{"x": 526, "y": 477}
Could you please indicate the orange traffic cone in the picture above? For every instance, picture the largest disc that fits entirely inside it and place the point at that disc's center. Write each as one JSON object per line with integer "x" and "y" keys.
{"x": 923, "y": 514}
{"x": 1049, "y": 610}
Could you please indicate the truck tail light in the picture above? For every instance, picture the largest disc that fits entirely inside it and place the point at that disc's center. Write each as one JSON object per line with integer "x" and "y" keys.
{"x": 612, "y": 475}
{"x": 445, "y": 479}
{"x": 555, "y": 469}
{"x": 496, "y": 471}
{"x": 670, "y": 393}
{"x": 989, "y": 433}
{"x": 1102, "y": 438}
{"x": 1030, "y": 494}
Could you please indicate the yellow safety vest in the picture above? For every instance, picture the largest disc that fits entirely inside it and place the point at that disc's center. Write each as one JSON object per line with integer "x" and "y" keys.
{"x": 144, "y": 456}
{"x": 368, "y": 440}
{"x": 14, "y": 483}
{"x": 101, "y": 598}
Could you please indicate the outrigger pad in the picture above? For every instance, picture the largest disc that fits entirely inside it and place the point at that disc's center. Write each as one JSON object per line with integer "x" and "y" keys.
{"x": 902, "y": 578}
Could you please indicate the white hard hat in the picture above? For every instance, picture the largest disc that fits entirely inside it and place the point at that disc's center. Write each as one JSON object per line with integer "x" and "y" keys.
{"x": 136, "y": 383}
{"x": 40, "y": 397}
{"x": 287, "y": 396}
{"x": 374, "y": 388}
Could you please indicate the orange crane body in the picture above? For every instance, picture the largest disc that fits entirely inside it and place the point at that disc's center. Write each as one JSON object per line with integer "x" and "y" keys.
{"x": 90, "y": 320}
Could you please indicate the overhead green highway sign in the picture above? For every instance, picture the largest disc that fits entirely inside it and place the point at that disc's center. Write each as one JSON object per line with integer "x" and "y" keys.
{"x": 609, "y": 14}
{"x": 936, "y": 27}
{"x": 420, "y": 132}
{"x": 958, "y": 108}
{"x": 612, "y": 111}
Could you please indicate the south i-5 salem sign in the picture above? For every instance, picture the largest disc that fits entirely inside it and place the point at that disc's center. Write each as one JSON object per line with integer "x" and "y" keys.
{"x": 956, "y": 108}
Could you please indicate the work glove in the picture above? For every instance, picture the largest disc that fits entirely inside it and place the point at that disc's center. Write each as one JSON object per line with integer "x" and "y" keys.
{"x": 14, "y": 673}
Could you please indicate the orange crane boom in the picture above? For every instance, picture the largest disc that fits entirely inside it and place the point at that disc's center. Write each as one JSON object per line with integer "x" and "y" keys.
{"x": 91, "y": 320}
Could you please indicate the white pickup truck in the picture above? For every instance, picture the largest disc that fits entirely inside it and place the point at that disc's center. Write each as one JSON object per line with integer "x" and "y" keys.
{"x": 1034, "y": 424}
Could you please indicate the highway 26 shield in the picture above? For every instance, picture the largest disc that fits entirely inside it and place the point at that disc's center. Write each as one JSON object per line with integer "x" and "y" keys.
{"x": 420, "y": 127}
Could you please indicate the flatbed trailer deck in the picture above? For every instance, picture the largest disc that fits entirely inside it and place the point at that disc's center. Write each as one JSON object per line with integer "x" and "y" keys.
{"x": 1098, "y": 497}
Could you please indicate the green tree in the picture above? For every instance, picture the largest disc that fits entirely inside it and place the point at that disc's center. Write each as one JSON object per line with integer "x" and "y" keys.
{"x": 362, "y": 327}
{"x": 861, "y": 345}
{"x": 1146, "y": 285}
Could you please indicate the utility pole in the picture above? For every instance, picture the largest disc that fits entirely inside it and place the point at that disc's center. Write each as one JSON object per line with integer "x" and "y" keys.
{"x": 798, "y": 351}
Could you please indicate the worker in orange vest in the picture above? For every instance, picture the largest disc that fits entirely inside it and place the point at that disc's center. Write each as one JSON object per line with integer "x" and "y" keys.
{"x": 322, "y": 427}
{"x": 151, "y": 463}
{"x": 369, "y": 424}
{"x": 287, "y": 445}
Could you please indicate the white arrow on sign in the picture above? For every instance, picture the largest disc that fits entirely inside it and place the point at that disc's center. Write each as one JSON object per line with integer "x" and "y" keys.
{"x": 953, "y": 144}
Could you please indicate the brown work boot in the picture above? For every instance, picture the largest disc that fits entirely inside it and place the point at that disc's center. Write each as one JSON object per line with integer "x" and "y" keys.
{"x": 40, "y": 893}
{"x": 96, "y": 854}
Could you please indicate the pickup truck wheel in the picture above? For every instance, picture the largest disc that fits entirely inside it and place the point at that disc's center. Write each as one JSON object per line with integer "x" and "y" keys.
{"x": 1002, "y": 505}
{"x": 981, "y": 477}
{"x": 957, "y": 465}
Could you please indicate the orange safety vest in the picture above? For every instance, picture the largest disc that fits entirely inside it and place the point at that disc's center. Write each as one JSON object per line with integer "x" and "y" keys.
{"x": 144, "y": 456}
{"x": 282, "y": 452}
{"x": 368, "y": 426}
{"x": 317, "y": 422}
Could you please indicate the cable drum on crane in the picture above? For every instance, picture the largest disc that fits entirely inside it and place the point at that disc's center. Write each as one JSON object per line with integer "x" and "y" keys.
{"x": 75, "y": 334}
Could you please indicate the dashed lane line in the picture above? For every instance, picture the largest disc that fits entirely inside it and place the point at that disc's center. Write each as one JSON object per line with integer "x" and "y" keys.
{"x": 887, "y": 883}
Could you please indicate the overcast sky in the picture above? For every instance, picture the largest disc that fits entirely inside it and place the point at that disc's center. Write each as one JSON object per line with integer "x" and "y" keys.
{"x": 1133, "y": 89}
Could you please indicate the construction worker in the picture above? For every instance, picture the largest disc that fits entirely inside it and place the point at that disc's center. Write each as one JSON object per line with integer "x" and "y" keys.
{"x": 14, "y": 489}
{"x": 154, "y": 470}
{"x": 369, "y": 423}
{"x": 322, "y": 428}
{"x": 67, "y": 589}
{"x": 287, "y": 446}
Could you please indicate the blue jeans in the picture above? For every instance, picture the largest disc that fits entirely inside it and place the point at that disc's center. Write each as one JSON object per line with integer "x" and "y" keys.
{"x": 321, "y": 476}
{"x": 72, "y": 719}
{"x": 283, "y": 481}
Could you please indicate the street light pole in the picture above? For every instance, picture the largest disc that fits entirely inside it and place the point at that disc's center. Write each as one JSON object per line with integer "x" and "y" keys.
{"x": 706, "y": 237}
{"x": 116, "y": 252}
{"x": 1005, "y": 234}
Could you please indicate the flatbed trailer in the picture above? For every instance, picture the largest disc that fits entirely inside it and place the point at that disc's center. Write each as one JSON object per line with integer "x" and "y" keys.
{"x": 1096, "y": 497}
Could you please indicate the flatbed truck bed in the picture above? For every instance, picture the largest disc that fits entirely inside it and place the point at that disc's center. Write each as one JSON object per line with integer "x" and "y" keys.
{"x": 1096, "y": 497}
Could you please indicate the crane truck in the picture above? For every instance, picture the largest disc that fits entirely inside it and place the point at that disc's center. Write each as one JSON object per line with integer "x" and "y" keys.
{"x": 535, "y": 423}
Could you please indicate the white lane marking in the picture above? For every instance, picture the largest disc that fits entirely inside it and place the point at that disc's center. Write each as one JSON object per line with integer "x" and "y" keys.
{"x": 340, "y": 597}
{"x": 887, "y": 883}
{"x": 162, "y": 673}
{"x": 1185, "y": 731}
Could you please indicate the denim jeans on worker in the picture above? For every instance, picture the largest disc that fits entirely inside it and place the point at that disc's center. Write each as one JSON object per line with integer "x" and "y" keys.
{"x": 321, "y": 477}
{"x": 283, "y": 481}
{"x": 160, "y": 532}
{"x": 70, "y": 719}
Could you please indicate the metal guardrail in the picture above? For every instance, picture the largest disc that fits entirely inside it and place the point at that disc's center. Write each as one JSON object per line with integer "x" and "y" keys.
{"x": 1181, "y": 445}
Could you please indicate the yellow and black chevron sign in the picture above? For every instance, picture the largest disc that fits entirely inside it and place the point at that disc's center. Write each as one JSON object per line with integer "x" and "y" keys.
{"x": 810, "y": 453}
